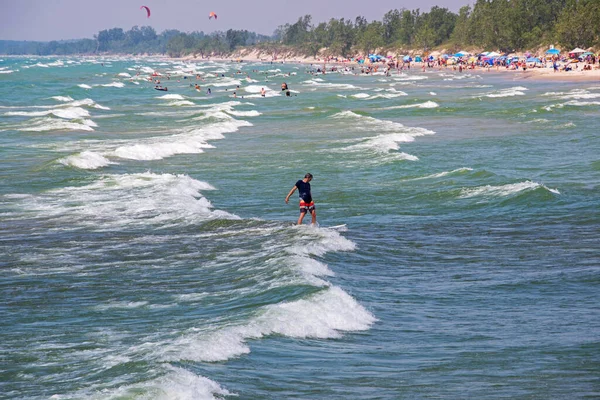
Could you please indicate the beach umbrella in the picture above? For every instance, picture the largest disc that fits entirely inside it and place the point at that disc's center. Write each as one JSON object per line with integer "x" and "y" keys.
{"x": 553, "y": 51}
{"x": 534, "y": 60}
{"x": 587, "y": 53}
{"x": 493, "y": 54}
{"x": 577, "y": 51}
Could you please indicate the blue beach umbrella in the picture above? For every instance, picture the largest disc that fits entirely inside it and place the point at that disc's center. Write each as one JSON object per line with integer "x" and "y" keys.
{"x": 553, "y": 51}
{"x": 533, "y": 60}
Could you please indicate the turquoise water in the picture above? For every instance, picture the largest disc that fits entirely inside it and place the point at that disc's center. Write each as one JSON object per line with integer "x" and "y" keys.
{"x": 147, "y": 251}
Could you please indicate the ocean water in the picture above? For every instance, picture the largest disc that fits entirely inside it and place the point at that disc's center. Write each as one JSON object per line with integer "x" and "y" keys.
{"x": 147, "y": 251}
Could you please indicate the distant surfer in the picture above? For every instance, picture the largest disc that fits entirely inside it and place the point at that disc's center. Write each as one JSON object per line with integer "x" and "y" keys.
{"x": 306, "y": 202}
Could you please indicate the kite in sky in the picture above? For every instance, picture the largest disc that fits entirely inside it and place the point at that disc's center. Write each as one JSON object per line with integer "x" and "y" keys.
{"x": 147, "y": 10}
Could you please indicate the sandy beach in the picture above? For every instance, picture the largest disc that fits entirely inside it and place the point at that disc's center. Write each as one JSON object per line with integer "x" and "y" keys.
{"x": 543, "y": 73}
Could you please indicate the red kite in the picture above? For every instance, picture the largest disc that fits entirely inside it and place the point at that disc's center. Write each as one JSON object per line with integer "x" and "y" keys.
{"x": 147, "y": 10}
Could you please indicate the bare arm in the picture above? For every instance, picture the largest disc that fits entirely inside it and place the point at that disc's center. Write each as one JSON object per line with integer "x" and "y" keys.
{"x": 287, "y": 198}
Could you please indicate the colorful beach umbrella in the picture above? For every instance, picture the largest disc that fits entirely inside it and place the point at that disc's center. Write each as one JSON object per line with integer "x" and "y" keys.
{"x": 553, "y": 51}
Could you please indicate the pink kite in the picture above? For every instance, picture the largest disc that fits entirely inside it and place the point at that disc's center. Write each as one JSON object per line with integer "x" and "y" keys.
{"x": 147, "y": 10}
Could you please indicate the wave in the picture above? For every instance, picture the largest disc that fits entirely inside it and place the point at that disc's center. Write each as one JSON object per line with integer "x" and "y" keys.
{"x": 385, "y": 144}
{"x": 427, "y": 104}
{"x": 323, "y": 315}
{"x": 366, "y": 96}
{"x": 116, "y": 202}
{"x": 52, "y": 124}
{"x": 86, "y": 160}
{"x": 362, "y": 122}
{"x": 171, "y": 97}
{"x": 62, "y": 98}
{"x": 66, "y": 113}
{"x": 510, "y": 92}
{"x": 504, "y": 190}
{"x": 84, "y": 86}
{"x": 193, "y": 141}
{"x": 113, "y": 84}
{"x": 175, "y": 383}
{"x": 319, "y": 83}
{"x": 577, "y": 103}
{"x": 441, "y": 174}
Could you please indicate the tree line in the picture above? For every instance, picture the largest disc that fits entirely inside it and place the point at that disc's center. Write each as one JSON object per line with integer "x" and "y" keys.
{"x": 506, "y": 25}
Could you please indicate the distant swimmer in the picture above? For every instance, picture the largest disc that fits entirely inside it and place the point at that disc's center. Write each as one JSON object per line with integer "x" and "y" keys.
{"x": 263, "y": 93}
{"x": 306, "y": 202}
{"x": 197, "y": 87}
{"x": 284, "y": 86}
{"x": 164, "y": 89}
{"x": 208, "y": 91}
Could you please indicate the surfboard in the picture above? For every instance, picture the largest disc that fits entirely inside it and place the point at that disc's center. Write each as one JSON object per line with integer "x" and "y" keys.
{"x": 334, "y": 227}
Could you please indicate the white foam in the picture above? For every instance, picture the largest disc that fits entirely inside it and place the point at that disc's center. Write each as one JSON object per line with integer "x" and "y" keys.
{"x": 427, "y": 104}
{"x": 171, "y": 97}
{"x": 319, "y": 83}
{"x": 251, "y": 113}
{"x": 177, "y": 383}
{"x": 62, "y": 98}
{"x": 504, "y": 190}
{"x": 181, "y": 103}
{"x": 121, "y": 201}
{"x": 86, "y": 160}
{"x": 124, "y": 75}
{"x": 441, "y": 174}
{"x": 577, "y": 103}
{"x": 84, "y": 86}
{"x": 113, "y": 84}
{"x": 189, "y": 142}
{"x": 52, "y": 124}
{"x": 510, "y": 92}
{"x": 121, "y": 304}
{"x": 323, "y": 315}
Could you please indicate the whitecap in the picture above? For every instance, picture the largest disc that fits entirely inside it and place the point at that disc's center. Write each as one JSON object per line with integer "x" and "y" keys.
{"x": 504, "y": 190}
{"x": 441, "y": 174}
{"x": 427, "y": 104}
{"x": 323, "y": 315}
{"x": 62, "y": 98}
{"x": 86, "y": 160}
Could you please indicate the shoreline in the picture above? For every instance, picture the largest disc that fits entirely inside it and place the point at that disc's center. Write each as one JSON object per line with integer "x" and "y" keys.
{"x": 543, "y": 74}
{"x": 540, "y": 74}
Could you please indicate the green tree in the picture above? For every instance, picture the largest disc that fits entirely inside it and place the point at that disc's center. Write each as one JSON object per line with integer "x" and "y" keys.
{"x": 372, "y": 38}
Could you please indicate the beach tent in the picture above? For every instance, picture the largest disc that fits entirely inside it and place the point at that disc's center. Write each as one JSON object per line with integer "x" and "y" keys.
{"x": 577, "y": 51}
{"x": 553, "y": 51}
{"x": 493, "y": 54}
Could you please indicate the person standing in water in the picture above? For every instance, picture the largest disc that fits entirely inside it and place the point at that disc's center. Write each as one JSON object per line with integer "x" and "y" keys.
{"x": 306, "y": 202}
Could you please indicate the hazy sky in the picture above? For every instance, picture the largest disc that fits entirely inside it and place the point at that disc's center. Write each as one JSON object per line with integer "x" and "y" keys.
{"x": 75, "y": 19}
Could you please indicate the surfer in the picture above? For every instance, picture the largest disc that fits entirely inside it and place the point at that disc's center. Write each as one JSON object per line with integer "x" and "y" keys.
{"x": 306, "y": 202}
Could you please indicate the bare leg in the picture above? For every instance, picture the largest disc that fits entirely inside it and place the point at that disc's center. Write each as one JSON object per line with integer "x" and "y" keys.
{"x": 314, "y": 216}
{"x": 301, "y": 217}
